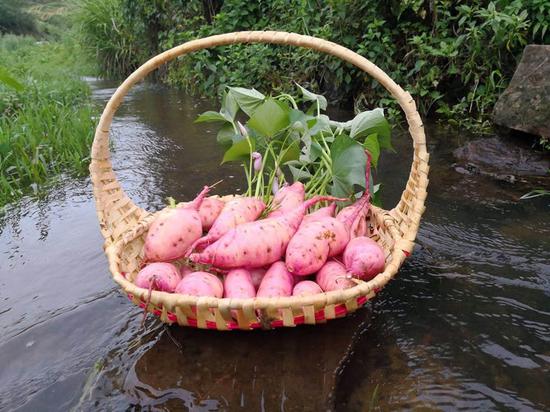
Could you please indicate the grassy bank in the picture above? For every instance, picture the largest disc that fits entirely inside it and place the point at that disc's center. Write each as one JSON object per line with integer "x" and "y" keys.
{"x": 46, "y": 126}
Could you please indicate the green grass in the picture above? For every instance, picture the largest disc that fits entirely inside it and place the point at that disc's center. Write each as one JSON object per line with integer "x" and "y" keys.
{"x": 47, "y": 128}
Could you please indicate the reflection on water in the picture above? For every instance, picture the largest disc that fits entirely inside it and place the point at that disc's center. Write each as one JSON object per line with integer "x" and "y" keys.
{"x": 464, "y": 326}
{"x": 188, "y": 368}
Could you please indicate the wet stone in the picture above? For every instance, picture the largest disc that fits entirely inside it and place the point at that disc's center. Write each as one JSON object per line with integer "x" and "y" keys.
{"x": 500, "y": 158}
{"x": 525, "y": 104}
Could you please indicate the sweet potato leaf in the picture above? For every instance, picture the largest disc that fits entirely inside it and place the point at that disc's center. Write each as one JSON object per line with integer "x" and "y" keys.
{"x": 240, "y": 150}
{"x": 348, "y": 166}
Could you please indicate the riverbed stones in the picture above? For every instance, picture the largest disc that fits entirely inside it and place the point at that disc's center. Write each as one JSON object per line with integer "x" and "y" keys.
{"x": 525, "y": 104}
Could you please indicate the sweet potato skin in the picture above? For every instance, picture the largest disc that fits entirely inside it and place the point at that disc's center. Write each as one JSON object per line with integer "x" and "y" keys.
{"x": 333, "y": 276}
{"x": 234, "y": 213}
{"x": 256, "y": 243}
{"x": 173, "y": 231}
{"x": 238, "y": 284}
{"x": 209, "y": 211}
{"x": 185, "y": 270}
{"x": 277, "y": 282}
{"x": 287, "y": 199}
{"x": 364, "y": 258}
{"x": 358, "y": 226}
{"x": 327, "y": 211}
{"x": 159, "y": 276}
{"x": 257, "y": 274}
{"x": 306, "y": 288}
{"x": 200, "y": 284}
{"x": 314, "y": 243}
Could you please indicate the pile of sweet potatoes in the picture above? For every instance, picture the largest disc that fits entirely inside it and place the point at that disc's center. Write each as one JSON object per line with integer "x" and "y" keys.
{"x": 209, "y": 247}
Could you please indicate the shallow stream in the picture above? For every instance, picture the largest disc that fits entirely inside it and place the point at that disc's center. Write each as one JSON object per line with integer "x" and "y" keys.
{"x": 465, "y": 325}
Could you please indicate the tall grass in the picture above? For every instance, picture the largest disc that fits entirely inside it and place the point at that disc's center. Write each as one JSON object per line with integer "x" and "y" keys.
{"x": 107, "y": 36}
{"x": 45, "y": 129}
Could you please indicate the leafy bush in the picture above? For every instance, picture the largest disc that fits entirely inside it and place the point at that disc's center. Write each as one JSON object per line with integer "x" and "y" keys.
{"x": 454, "y": 57}
{"x": 13, "y": 19}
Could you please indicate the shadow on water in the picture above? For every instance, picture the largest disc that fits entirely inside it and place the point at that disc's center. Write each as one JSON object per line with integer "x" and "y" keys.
{"x": 465, "y": 325}
{"x": 181, "y": 369}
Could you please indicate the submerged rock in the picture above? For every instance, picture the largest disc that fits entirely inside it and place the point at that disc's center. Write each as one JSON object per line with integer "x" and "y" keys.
{"x": 498, "y": 155}
{"x": 501, "y": 159}
{"x": 525, "y": 104}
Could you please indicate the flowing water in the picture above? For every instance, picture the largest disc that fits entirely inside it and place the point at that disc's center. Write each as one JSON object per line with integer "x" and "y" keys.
{"x": 465, "y": 325}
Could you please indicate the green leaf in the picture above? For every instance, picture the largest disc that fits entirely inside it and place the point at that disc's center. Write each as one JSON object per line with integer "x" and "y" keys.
{"x": 369, "y": 122}
{"x": 292, "y": 152}
{"x": 8, "y": 80}
{"x": 269, "y": 118}
{"x": 226, "y": 135}
{"x": 210, "y": 116}
{"x": 299, "y": 174}
{"x": 247, "y": 99}
{"x": 5, "y": 148}
{"x": 372, "y": 145}
{"x": 299, "y": 118}
{"x": 322, "y": 124}
{"x": 312, "y": 97}
{"x": 229, "y": 107}
{"x": 348, "y": 166}
{"x": 240, "y": 150}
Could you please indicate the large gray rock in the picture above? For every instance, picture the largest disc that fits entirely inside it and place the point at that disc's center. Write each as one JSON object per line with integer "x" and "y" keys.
{"x": 525, "y": 104}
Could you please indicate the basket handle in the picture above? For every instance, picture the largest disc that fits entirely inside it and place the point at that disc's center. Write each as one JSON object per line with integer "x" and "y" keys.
{"x": 117, "y": 212}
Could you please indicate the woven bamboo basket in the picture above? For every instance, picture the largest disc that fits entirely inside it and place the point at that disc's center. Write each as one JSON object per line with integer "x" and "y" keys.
{"x": 124, "y": 224}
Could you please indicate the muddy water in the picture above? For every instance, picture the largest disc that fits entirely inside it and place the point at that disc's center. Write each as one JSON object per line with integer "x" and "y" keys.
{"x": 464, "y": 326}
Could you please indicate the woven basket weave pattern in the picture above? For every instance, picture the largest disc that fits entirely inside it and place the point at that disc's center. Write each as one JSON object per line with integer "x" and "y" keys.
{"x": 123, "y": 223}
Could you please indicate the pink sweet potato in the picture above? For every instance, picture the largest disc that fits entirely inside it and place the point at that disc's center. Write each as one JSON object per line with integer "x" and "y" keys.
{"x": 314, "y": 243}
{"x": 327, "y": 211}
{"x": 354, "y": 216}
{"x": 256, "y": 243}
{"x": 209, "y": 211}
{"x": 185, "y": 270}
{"x": 364, "y": 258}
{"x": 306, "y": 288}
{"x": 238, "y": 284}
{"x": 276, "y": 282}
{"x": 200, "y": 284}
{"x": 358, "y": 226}
{"x": 257, "y": 274}
{"x": 287, "y": 199}
{"x": 158, "y": 276}
{"x": 173, "y": 231}
{"x": 333, "y": 276}
{"x": 235, "y": 212}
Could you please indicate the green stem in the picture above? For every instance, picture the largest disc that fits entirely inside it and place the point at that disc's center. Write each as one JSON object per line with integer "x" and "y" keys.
{"x": 171, "y": 202}
{"x": 246, "y": 172}
{"x": 250, "y": 168}
{"x": 289, "y": 98}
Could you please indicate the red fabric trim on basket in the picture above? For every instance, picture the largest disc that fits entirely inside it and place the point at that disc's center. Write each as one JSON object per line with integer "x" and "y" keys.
{"x": 340, "y": 311}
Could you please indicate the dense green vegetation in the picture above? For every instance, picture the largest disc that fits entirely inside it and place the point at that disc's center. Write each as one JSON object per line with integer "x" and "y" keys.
{"x": 46, "y": 120}
{"x": 455, "y": 57}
